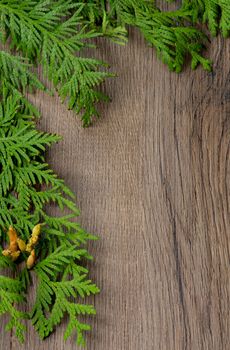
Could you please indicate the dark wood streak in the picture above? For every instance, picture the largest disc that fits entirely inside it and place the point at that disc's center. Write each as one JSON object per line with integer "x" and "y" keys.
{"x": 176, "y": 252}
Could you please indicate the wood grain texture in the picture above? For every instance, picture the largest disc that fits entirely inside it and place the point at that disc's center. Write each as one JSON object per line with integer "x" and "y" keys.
{"x": 152, "y": 179}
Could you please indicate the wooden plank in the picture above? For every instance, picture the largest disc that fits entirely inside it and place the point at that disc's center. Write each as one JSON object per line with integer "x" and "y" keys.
{"x": 152, "y": 179}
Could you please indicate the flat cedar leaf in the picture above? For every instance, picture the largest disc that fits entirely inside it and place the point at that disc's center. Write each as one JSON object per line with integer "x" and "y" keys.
{"x": 52, "y": 33}
{"x": 27, "y": 185}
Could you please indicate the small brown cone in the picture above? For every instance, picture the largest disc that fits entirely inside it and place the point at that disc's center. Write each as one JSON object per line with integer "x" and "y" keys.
{"x": 29, "y": 246}
{"x": 12, "y": 234}
{"x": 31, "y": 260}
{"x": 6, "y": 252}
{"x": 13, "y": 239}
{"x": 13, "y": 246}
{"x": 15, "y": 255}
{"x": 36, "y": 231}
{"x": 21, "y": 244}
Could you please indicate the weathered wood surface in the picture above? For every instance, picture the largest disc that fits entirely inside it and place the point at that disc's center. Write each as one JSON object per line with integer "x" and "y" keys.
{"x": 152, "y": 179}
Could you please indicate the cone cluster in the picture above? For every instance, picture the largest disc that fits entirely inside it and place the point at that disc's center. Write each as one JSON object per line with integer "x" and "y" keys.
{"x": 18, "y": 245}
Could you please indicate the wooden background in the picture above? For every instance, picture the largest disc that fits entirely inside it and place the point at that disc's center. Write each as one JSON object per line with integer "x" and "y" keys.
{"x": 152, "y": 180}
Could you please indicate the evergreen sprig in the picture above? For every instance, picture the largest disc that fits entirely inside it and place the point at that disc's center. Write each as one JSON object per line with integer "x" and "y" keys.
{"x": 172, "y": 33}
{"x": 54, "y": 33}
{"x": 50, "y": 33}
{"x": 27, "y": 184}
{"x": 73, "y": 283}
{"x": 11, "y": 293}
{"x": 216, "y": 13}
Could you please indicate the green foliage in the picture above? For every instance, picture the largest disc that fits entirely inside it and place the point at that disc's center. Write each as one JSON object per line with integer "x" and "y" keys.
{"x": 16, "y": 73}
{"x": 54, "y": 34}
{"x": 73, "y": 283}
{"x": 166, "y": 31}
{"x": 172, "y": 33}
{"x": 51, "y": 33}
{"x": 27, "y": 185}
{"x": 11, "y": 293}
{"x": 216, "y": 13}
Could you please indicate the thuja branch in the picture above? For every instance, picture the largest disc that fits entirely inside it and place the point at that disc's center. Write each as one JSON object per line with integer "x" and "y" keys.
{"x": 53, "y": 250}
{"x": 53, "y": 34}
{"x": 39, "y": 31}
